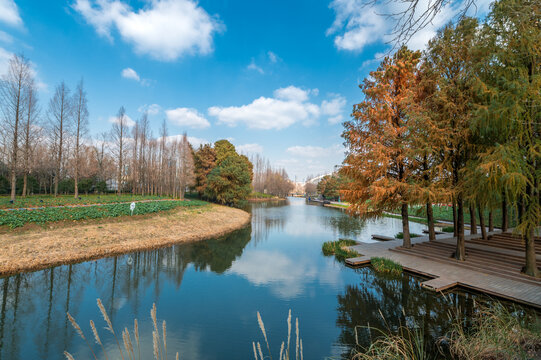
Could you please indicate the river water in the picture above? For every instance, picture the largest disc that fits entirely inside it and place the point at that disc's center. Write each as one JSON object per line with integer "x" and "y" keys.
{"x": 209, "y": 292}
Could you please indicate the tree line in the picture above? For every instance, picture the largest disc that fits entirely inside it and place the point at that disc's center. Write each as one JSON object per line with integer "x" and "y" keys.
{"x": 458, "y": 123}
{"x": 49, "y": 151}
{"x": 270, "y": 180}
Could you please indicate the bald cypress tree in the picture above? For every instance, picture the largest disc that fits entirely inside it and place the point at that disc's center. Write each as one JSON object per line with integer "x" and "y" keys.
{"x": 512, "y": 108}
{"x": 377, "y": 139}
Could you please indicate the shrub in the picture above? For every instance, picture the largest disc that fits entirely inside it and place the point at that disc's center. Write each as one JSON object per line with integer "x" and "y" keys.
{"x": 385, "y": 265}
{"x": 448, "y": 229}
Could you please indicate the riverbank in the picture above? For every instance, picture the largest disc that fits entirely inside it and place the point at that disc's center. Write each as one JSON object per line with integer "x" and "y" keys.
{"x": 42, "y": 248}
{"x": 266, "y": 199}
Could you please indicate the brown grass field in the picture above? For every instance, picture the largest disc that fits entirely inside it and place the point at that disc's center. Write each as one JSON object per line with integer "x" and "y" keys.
{"x": 36, "y": 247}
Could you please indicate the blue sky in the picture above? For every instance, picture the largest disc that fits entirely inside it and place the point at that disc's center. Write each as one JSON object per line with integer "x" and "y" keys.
{"x": 275, "y": 77}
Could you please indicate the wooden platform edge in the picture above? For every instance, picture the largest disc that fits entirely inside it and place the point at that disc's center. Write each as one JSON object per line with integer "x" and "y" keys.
{"x": 358, "y": 261}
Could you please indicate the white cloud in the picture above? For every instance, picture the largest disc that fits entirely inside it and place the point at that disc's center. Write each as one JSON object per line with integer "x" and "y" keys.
{"x": 4, "y": 60}
{"x": 253, "y": 66}
{"x": 273, "y": 57}
{"x": 292, "y": 93}
{"x": 288, "y": 106}
{"x": 9, "y": 13}
{"x": 196, "y": 142}
{"x": 267, "y": 113}
{"x": 5, "y": 37}
{"x": 357, "y": 25}
{"x": 286, "y": 277}
{"x": 129, "y": 73}
{"x": 334, "y": 108}
{"x": 315, "y": 151}
{"x": 129, "y": 121}
{"x": 249, "y": 148}
{"x": 153, "y": 109}
{"x": 163, "y": 29}
{"x": 187, "y": 117}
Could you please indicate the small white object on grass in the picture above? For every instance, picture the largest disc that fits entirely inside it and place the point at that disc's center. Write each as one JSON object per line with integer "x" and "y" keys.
{"x": 132, "y": 207}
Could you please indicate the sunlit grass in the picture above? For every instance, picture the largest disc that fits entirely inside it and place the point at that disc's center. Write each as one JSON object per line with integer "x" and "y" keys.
{"x": 384, "y": 265}
{"x": 340, "y": 249}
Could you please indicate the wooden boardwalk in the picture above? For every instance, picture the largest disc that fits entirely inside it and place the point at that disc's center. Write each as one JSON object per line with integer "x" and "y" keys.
{"x": 491, "y": 270}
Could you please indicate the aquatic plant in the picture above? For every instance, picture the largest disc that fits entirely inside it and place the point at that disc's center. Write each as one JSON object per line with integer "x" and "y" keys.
{"x": 159, "y": 343}
{"x": 496, "y": 332}
{"x": 284, "y": 347}
{"x": 384, "y": 265}
{"x": 340, "y": 249}
{"x": 400, "y": 235}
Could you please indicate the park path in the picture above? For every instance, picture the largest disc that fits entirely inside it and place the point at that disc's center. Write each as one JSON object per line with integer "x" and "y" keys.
{"x": 88, "y": 205}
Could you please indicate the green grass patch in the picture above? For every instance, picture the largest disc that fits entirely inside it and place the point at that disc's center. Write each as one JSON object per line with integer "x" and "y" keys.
{"x": 340, "y": 249}
{"x": 384, "y": 265}
{"x": 415, "y": 220}
{"x": 400, "y": 235}
{"x": 258, "y": 195}
{"x": 18, "y": 218}
{"x": 61, "y": 200}
{"x": 448, "y": 229}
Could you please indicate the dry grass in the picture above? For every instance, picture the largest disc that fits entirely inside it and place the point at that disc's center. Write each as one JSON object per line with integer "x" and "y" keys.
{"x": 159, "y": 349}
{"x": 41, "y": 248}
{"x": 285, "y": 346}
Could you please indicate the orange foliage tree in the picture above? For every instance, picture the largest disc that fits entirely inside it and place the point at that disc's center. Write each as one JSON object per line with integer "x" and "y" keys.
{"x": 378, "y": 141}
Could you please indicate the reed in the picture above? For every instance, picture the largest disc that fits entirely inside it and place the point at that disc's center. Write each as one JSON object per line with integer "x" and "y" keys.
{"x": 497, "y": 332}
{"x": 130, "y": 349}
{"x": 284, "y": 353}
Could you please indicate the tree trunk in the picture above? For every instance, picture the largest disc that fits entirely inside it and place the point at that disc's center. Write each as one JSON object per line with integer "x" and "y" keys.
{"x": 505, "y": 221}
{"x": 531, "y": 266}
{"x": 430, "y": 218}
{"x": 473, "y": 220}
{"x": 455, "y": 223}
{"x": 25, "y": 180}
{"x": 482, "y": 222}
{"x": 490, "y": 221}
{"x": 460, "y": 253}
{"x": 405, "y": 227}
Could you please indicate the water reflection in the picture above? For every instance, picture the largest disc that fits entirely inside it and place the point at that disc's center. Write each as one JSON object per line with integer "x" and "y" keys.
{"x": 209, "y": 292}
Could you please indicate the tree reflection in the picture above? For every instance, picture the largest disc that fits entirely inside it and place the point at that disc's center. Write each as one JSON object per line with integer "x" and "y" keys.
{"x": 386, "y": 302}
{"x": 345, "y": 225}
{"x": 35, "y": 304}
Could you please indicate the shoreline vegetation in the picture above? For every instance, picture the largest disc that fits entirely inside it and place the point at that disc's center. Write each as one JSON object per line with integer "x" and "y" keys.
{"x": 31, "y": 249}
{"x": 262, "y": 197}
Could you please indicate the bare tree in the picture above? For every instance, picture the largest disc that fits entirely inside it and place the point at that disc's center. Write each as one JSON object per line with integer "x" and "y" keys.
{"x": 413, "y": 16}
{"x": 30, "y": 132}
{"x": 14, "y": 93}
{"x": 186, "y": 165}
{"x": 60, "y": 111}
{"x": 118, "y": 133}
{"x": 80, "y": 118}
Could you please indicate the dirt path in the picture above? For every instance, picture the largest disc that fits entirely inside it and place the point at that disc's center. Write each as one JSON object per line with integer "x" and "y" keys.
{"x": 42, "y": 248}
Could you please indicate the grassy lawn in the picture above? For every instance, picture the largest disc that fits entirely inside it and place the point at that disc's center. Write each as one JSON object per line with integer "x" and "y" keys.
{"x": 446, "y": 213}
{"x": 258, "y": 195}
{"x": 49, "y": 200}
{"x": 18, "y": 218}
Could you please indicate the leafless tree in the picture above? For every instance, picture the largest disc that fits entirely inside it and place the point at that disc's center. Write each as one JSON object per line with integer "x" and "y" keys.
{"x": 80, "y": 118}
{"x": 31, "y": 132}
{"x": 118, "y": 133}
{"x": 60, "y": 112}
{"x": 14, "y": 94}
{"x": 186, "y": 168}
{"x": 415, "y": 15}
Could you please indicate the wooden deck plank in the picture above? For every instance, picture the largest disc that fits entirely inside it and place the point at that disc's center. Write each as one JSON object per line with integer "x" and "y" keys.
{"x": 448, "y": 274}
